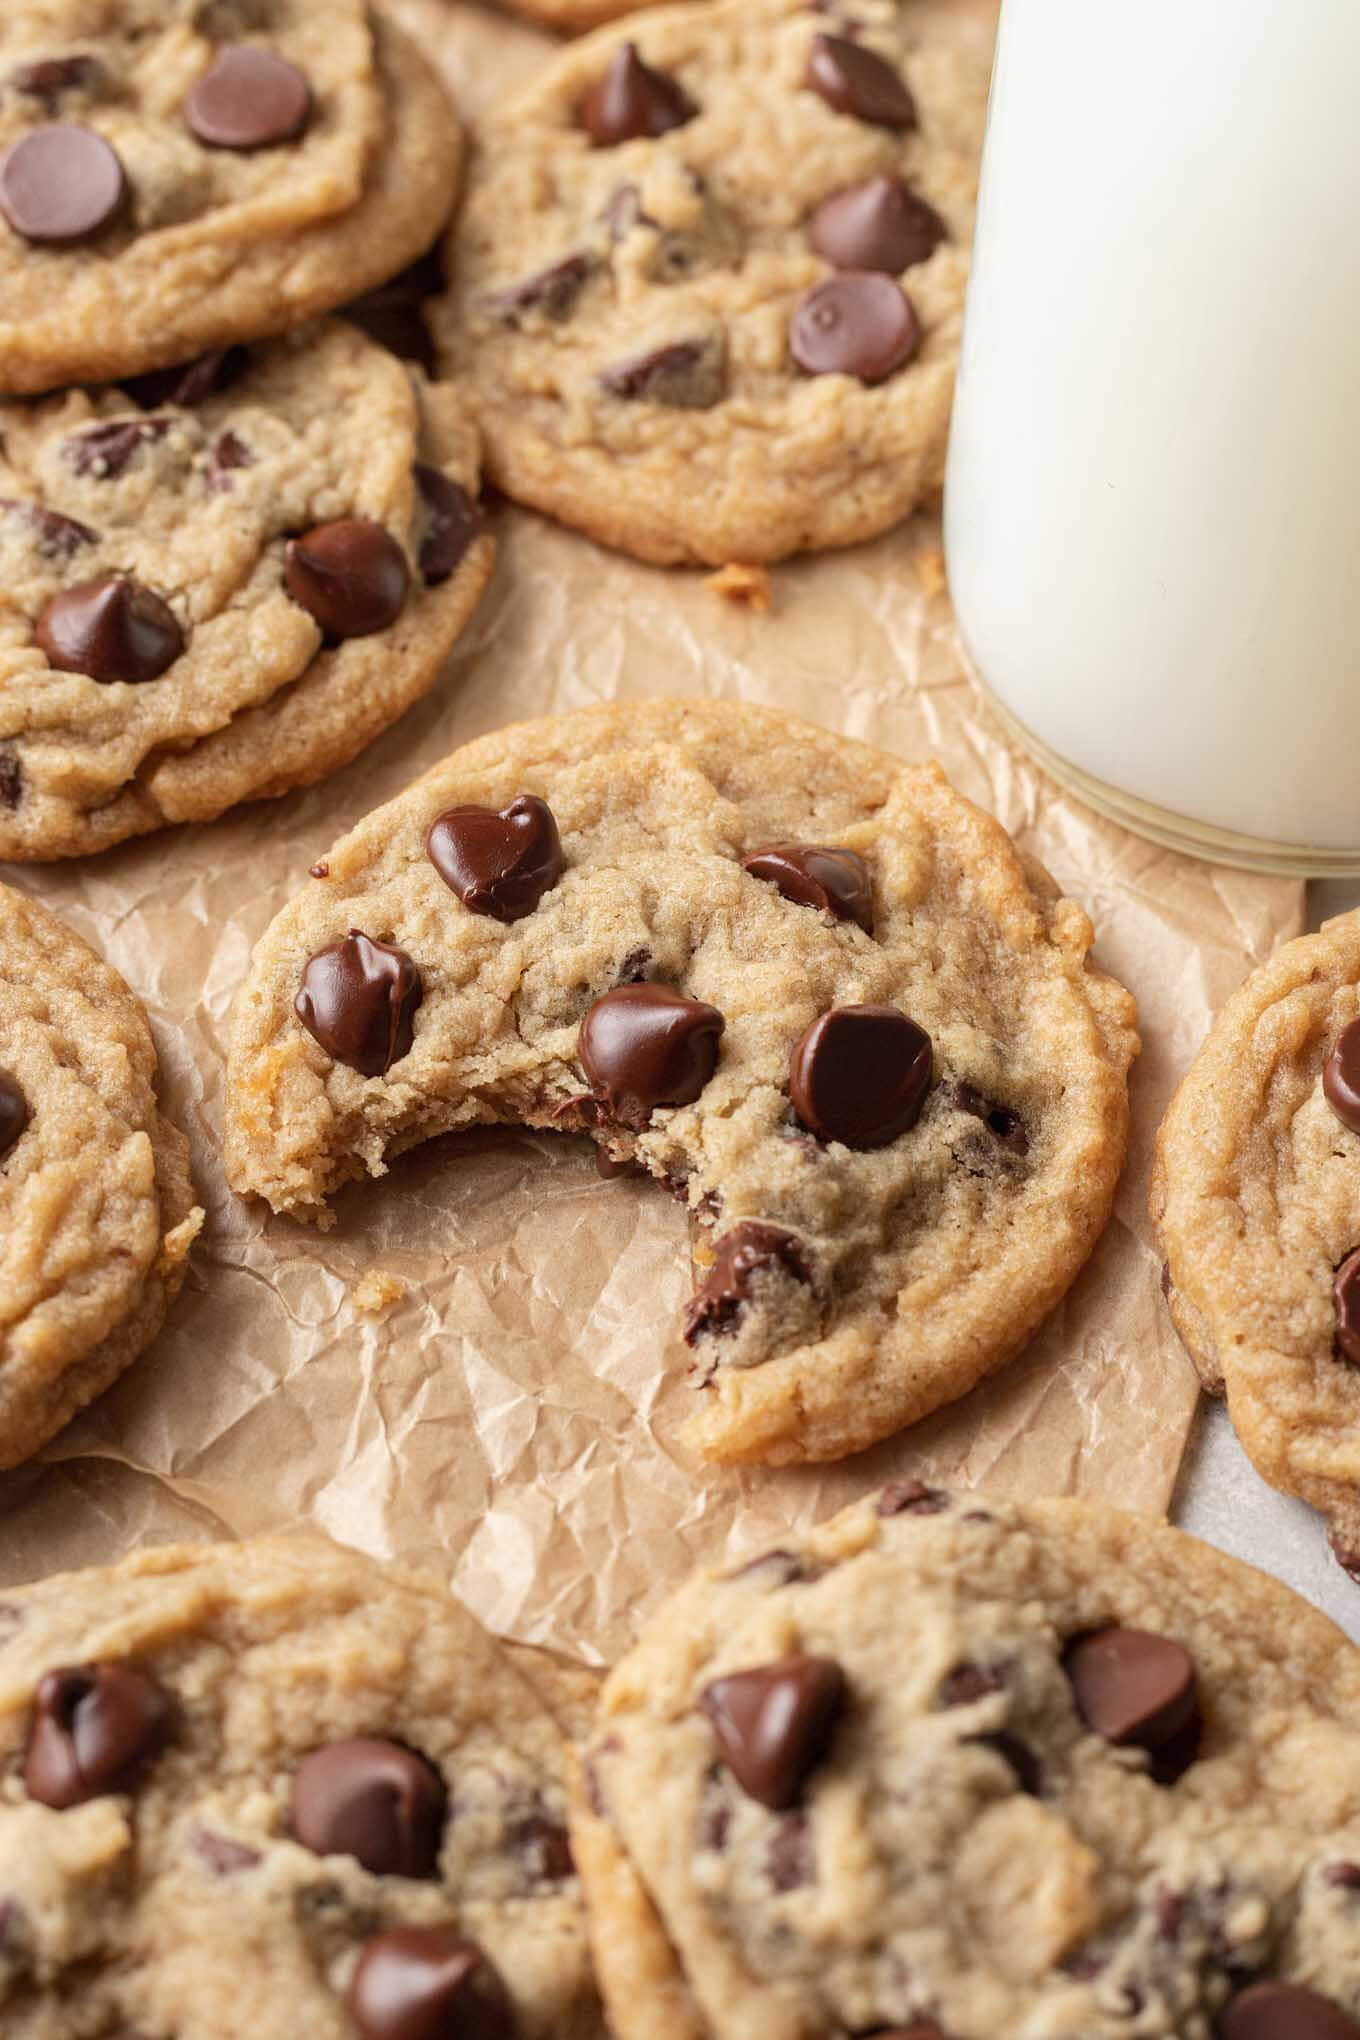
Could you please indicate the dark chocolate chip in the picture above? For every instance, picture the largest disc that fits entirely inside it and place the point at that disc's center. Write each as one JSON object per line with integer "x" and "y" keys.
{"x": 552, "y": 291}
{"x": 453, "y": 520}
{"x": 790, "y": 1859}
{"x": 860, "y": 1075}
{"x": 321, "y": 869}
{"x": 858, "y": 323}
{"x": 60, "y": 183}
{"x": 967, "y": 1682}
{"x": 1344, "y": 1876}
{"x": 248, "y": 98}
{"x": 56, "y": 537}
{"x": 94, "y": 1730}
{"x": 110, "y": 629}
{"x": 544, "y": 1848}
{"x": 229, "y": 454}
{"x": 911, "y": 1498}
{"x": 1007, "y": 1126}
{"x": 689, "y": 375}
{"x": 774, "y": 1724}
{"x": 189, "y": 383}
{"x": 880, "y": 224}
{"x": 106, "y": 450}
{"x": 1341, "y": 1077}
{"x": 358, "y": 998}
{"x": 854, "y": 80}
{"x": 350, "y": 576}
{"x": 14, "y": 1112}
{"x": 499, "y": 862}
{"x": 429, "y": 1983}
{"x": 50, "y": 77}
{"x": 1018, "y": 1755}
{"x": 1284, "y": 2011}
{"x": 631, "y": 100}
{"x": 1134, "y": 1688}
{"x": 222, "y": 1854}
{"x": 372, "y": 1800}
{"x": 748, "y": 1250}
{"x": 1346, "y": 1299}
{"x": 834, "y": 881}
{"x": 644, "y": 1045}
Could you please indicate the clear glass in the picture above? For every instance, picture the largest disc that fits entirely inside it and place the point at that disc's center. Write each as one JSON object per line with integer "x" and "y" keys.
{"x": 1152, "y": 514}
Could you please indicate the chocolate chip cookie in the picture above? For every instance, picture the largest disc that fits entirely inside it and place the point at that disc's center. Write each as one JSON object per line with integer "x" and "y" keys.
{"x": 273, "y": 1786}
{"x": 1256, "y": 1197}
{"x": 708, "y": 281}
{"x": 221, "y": 581}
{"x": 812, "y": 990}
{"x": 948, "y": 1769}
{"x": 97, "y": 1213}
{"x": 177, "y": 175}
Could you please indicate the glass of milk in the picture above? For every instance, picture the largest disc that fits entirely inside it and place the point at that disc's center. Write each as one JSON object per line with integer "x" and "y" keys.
{"x": 1152, "y": 514}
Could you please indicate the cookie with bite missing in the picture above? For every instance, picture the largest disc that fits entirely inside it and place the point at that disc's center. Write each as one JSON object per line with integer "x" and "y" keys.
{"x": 249, "y": 1777}
{"x": 812, "y": 990}
{"x": 97, "y": 1212}
{"x": 947, "y": 1768}
{"x": 707, "y": 285}
{"x": 221, "y": 581}
{"x": 1256, "y": 1198}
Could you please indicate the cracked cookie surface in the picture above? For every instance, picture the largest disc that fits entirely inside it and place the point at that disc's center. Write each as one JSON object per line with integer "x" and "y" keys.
{"x": 239, "y": 1777}
{"x": 97, "y": 1212}
{"x": 645, "y": 225}
{"x": 556, "y": 926}
{"x": 950, "y": 1768}
{"x": 170, "y": 637}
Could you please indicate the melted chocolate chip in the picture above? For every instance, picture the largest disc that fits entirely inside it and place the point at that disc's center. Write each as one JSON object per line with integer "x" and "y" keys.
{"x": 688, "y": 375}
{"x": 880, "y": 224}
{"x": 372, "y": 1800}
{"x": 911, "y": 1498}
{"x": 860, "y": 1075}
{"x": 94, "y": 1730}
{"x": 14, "y": 1112}
{"x": 189, "y": 383}
{"x": 429, "y": 1983}
{"x": 110, "y": 629}
{"x": 631, "y": 100}
{"x": 1346, "y": 1299}
{"x": 774, "y": 1724}
{"x": 498, "y": 862}
{"x": 749, "y": 1250}
{"x": 858, "y": 323}
{"x": 834, "y": 881}
{"x": 359, "y": 998}
{"x": 1341, "y": 1077}
{"x": 544, "y": 1848}
{"x": 1007, "y": 1126}
{"x": 1284, "y": 2011}
{"x": 106, "y": 450}
{"x": 1134, "y": 1688}
{"x": 57, "y": 537}
{"x": 350, "y": 576}
{"x": 51, "y": 77}
{"x": 60, "y": 184}
{"x": 644, "y": 1045}
{"x": 222, "y": 1854}
{"x": 853, "y": 80}
{"x": 552, "y": 291}
{"x": 248, "y": 98}
{"x": 453, "y": 520}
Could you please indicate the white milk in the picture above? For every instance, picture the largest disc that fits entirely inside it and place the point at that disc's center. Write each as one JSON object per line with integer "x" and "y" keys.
{"x": 1153, "y": 505}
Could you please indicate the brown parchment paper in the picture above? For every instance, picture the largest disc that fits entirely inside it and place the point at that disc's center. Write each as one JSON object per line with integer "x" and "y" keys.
{"x": 508, "y": 1418}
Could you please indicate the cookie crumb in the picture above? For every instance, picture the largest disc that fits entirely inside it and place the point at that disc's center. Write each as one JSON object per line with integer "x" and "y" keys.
{"x": 929, "y": 565}
{"x": 377, "y": 1290}
{"x": 750, "y": 586}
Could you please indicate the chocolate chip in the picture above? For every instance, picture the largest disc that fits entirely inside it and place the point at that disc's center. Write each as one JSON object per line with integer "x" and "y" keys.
{"x": 852, "y": 79}
{"x": 57, "y": 537}
{"x": 222, "y": 1854}
{"x": 1346, "y": 1299}
{"x": 1134, "y": 1688}
{"x": 967, "y": 1682}
{"x": 689, "y": 375}
{"x": 748, "y": 1250}
{"x": 1284, "y": 2011}
{"x": 372, "y": 1800}
{"x": 774, "y": 1724}
{"x": 1341, "y": 1077}
{"x": 775, "y": 1569}
{"x": 834, "y": 881}
{"x": 858, "y": 323}
{"x": 321, "y": 869}
{"x": 229, "y": 454}
{"x": 1344, "y": 1876}
{"x": 790, "y": 1860}
{"x": 14, "y": 1112}
{"x": 911, "y": 1498}
{"x": 189, "y": 383}
{"x": 860, "y": 1075}
{"x": 552, "y": 291}
{"x": 351, "y": 576}
{"x": 644, "y": 1045}
{"x": 248, "y": 98}
{"x": 50, "y": 77}
{"x": 358, "y": 998}
{"x": 393, "y": 313}
{"x": 609, "y": 1170}
{"x": 11, "y": 780}
{"x": 106, "y": 450}
{"x": 499, "y": 862}
{"x": 544, "y": 1847}
{"x": 110, "y": 629}
{"x": 60, "y": 183}
{"x": 1008, "y": 1126}
{"x": 880, "y": 224}
{"x": 632, "y": 99}
{"x": 94, "y": 1729}
{"x": 429, "y": 1983}
{"x": 453, "y": 520}
{"x": 1018, "y": 1755}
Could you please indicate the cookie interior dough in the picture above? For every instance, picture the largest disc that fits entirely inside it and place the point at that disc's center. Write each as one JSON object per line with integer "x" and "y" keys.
{"x": 558, "y": 926}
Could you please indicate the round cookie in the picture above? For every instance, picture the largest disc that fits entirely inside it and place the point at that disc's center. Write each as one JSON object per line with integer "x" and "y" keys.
{"x": 708, "y": 281}
{"x": 248, "y": 1778}
{"x": 97, "y": 1212}
{"x": 192, "y": 243}
{"x": 1256, "y": 1198}
{"x": 954, "y": 1767}
{"x": 222, "y": 581}
{"x": 875, "y": 1064}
